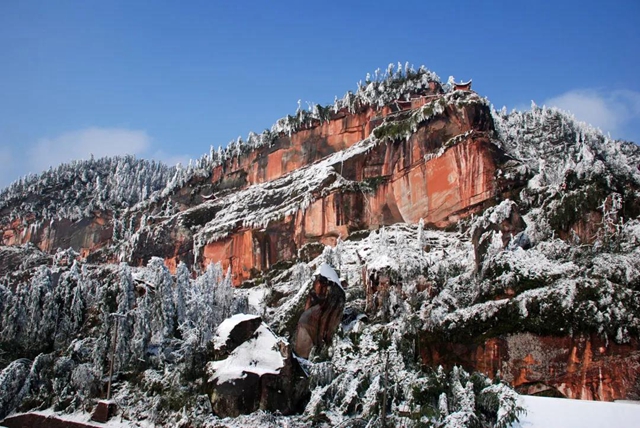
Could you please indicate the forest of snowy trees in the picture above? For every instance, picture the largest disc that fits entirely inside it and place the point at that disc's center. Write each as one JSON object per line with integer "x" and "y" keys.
{"x": 57, "y": 332}
{"x": 67, "y": 315}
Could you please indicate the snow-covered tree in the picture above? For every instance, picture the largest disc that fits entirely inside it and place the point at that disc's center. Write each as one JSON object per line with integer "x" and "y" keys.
{"x": 68, "y": 298}
{"x": 182, "y": 288}
{"x": 209, "y": 301}
{"x": 41, "y": 308}
{"x": 142, "y": 328}
{"x": 12, "y": 379}
{"x": 161, "y": 279}
{"x": 125, "y": 312}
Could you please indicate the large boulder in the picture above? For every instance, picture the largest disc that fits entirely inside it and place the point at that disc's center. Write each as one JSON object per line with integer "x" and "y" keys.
{"x": 258, "y": 373}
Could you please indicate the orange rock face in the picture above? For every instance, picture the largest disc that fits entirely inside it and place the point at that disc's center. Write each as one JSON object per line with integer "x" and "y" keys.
{"x": 444, "y": 171}
{"x": 237, "y": 252}
{"x": 440, "y": 190}
{"x": 308, "y": 145}
{"x": 85, "y": 236}
{"x": 581, "y": 367}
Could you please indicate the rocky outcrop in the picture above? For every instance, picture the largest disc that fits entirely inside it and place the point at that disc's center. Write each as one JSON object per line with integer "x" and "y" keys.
{"x": 322, "y": 312}
{"x": 86, "y": 236}
{"x": 313, "y": 142}
{"x": 16, "y": 258}
{"x": 396, "y": 182}
{"x": 442, "y": 172}
{"x": 37, "y": 420}
{"x": 255, "y": 370}
{"x": 584, "y": 367}
{"x": 236, "y": 330}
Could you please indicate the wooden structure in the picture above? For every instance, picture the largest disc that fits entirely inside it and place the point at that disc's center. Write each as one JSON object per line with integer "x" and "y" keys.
{"x": 462, "y": 86}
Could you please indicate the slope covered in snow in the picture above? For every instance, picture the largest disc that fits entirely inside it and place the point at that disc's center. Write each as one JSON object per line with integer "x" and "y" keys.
{"x": 555, "y": 257}
{"x": 75, "y": 189}
{"x": 547, "y": 412}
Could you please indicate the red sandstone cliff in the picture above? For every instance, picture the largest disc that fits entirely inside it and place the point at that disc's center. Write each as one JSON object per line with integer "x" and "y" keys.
{"x": 443, "y": 171}
{"x": 585, "y": 367}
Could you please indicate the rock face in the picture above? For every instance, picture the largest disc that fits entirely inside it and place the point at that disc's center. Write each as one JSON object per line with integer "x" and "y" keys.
{"x": 441, "y": 173}
{"x": 36, "y": 420}
{"x": 375, "y": 175}
{"x": 25, "y": 257}
{"x": 322, "y": 312}
{"x": 85, "y": 236}
{"x": 582, "y": 367}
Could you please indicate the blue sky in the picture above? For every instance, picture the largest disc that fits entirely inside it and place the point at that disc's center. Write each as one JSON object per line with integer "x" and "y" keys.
{"x": 166, "y": 80}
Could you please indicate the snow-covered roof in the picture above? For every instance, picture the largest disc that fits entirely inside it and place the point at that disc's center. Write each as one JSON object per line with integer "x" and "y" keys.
{"x": 452, "y": 81}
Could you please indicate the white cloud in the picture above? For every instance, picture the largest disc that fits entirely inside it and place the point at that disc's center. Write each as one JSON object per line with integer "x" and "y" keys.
{"x": 615, "y": 112}
{"x": 85, "y": 142}
{"x": 80, "y": 144}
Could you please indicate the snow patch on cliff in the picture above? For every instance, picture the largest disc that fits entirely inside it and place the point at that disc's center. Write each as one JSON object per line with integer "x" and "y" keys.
{"x": 260, "y": 355}
{"x": 224, "y": 329}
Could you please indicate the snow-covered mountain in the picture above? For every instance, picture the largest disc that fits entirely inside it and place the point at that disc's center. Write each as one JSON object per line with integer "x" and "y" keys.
{"x": 474, "y": 251}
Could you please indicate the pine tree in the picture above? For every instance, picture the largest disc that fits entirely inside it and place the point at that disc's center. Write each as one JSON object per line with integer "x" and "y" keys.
{"x": 42, "y": 308}
{"x": 161, "y": 279}
{"x": 64, "y": 297}
{"x": 77, "y": 303}
{"x": 8, "y": 311}
{"x": 126, "y": 303}
{"x": 141, "y": 329}
{"x": 182, "y": 287}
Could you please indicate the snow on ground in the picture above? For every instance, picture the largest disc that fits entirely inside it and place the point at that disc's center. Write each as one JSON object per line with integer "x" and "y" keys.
{"x": 381, "y": 262}
{"x": 85, "y": 418}
{"x": 255, "y": 297}
{"x": 545, "y": 412}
